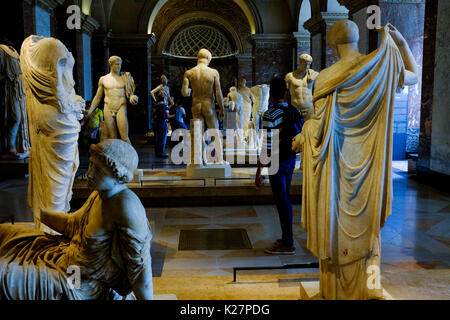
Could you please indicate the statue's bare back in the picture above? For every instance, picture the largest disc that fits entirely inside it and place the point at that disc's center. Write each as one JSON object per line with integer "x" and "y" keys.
{"x": 202, "y": 80}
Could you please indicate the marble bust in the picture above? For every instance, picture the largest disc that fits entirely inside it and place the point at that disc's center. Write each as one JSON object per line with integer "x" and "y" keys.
{"x": 300, "y": 83}
{"x": 15, "y": 140}
{"x": 117, "y": 87}
{"x": 107, "y": 240}
{"x": 347, "y": 152}
{"x": 54, "y": 112}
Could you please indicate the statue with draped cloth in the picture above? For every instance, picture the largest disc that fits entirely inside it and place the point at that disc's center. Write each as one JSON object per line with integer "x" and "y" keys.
{"x": 54, "y": 111}
{"x": 108, "y": 240}
{"x": 347, "y": 154}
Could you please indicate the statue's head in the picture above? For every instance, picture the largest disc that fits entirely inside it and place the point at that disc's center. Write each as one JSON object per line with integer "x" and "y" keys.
{"x": 204, "y": 56}
{"x": 242, "y": 82}
{"x": 233, "y": 88}
{"x": 115, "y": 64}
{"x": 342, "y": 32}
{"x": 47, "y": 68}
{"x": 112, "y": 162}
{"x": 304, "y": 61}
{"x": 164, "y": 80}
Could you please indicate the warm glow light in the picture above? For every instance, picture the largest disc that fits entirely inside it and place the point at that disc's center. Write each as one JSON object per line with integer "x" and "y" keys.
{"x": 248, "y": 14}
{"x": 86, "y": 7}
{"x": 240, "y": 3}
{"x": 155, "y": 11}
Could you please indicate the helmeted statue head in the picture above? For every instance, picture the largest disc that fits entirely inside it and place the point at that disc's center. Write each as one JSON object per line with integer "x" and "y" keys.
{"x": 342, "y": 32}
{"x": 204, "y": 56}
{"x": 164, "y": 79}
{"x": 119, "y": 156}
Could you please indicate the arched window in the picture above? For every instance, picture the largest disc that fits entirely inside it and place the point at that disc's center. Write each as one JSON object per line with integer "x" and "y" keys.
{"x": 190, "y": 40}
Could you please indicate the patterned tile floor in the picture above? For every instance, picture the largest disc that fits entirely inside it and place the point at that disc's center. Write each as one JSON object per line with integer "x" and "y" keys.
{"x": 415, "y": 246}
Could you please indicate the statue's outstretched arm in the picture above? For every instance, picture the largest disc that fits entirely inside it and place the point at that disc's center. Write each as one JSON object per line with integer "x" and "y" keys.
{"x": 412, "y": 70}
{"x": 97, "y": 99}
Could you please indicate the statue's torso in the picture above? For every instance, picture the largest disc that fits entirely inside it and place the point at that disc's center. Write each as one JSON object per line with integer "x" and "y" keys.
{"x": 114, "y": 87}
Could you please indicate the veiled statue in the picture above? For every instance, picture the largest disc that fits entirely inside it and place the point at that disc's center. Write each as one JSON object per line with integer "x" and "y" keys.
{"x": 54, "y": 112}
{"x": 107, "y": 241}
{"x": 15, "y": 139}
{"x": 347, "y": 154}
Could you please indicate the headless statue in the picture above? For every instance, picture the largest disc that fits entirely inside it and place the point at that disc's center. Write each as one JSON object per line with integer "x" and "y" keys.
{"x": 15, "y": 142}
{"x": 300, "y": 83}
{"x": 54, "y": 112}
{"x": 261, "y": 104}
{"x": 116, "y": 86}
{"x": 347, "y": 151}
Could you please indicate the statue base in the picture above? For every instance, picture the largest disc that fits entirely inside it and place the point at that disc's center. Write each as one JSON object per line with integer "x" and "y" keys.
{"x": 208, "y": 171}
{"x": 310, "y": 290}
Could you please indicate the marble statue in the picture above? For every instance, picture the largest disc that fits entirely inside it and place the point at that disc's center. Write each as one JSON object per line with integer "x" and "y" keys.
{"x": 54, "y": 111}
{"x": 205, "y": 81}
{"x": 235, "y": 103}
{"x": 249, "y": 99}
{"x": 300, "y": 83}
{"x": 347, "y": 154}
{"x": 108, "y": 240}
{"x": 163, "y": 89}
{"x": 261, "y": 92}
{"x": 15, "y": 139}
{"x": 117, "y": 87}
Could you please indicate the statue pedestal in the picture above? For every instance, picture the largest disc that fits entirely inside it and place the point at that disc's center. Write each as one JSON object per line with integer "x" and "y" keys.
{"x": 138, "y": 174}
{"x": 208, "y": 171}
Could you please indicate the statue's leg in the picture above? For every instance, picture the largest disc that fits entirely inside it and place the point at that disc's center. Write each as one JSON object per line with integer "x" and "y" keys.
{"x": 14, "y": 125}
{"x": 122, "y": 124}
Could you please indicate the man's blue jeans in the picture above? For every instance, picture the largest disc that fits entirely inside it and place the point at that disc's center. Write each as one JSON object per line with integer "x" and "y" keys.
{"x": 281, "y": 187}
{"x": 160, "y": 130}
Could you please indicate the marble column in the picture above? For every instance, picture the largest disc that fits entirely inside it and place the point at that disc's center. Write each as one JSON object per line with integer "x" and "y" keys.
{"x": 245, "y": 67}
{"x": 318, "y": 25}
{"x": 84, "y": 55}
{"x": 38, "y": 18}
{"x": 303, "y": 43}
{"x": 434, "y": 143}
{"x": 135, "y": 51}
{"x": 274, "y": 55}
{"x": 408, "y": 17}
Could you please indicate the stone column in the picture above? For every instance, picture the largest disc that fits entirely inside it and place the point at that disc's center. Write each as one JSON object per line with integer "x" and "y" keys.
{"x": 434, "y": 145}
{"x": 135, "y": 51}
{"x": 83, "y": 56}
{"x": 303, "y": 44}
{"x": 318, "y": 25}
{"x": 274, "y": 55}
{"x": 245, "y": 67}
{"x": 38, "y": 17}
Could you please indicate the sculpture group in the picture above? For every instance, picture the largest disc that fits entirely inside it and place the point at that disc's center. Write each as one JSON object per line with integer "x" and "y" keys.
{"x": 346, "y": 146}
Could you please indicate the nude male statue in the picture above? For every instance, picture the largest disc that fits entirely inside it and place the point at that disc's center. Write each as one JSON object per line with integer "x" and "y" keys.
{"x": 204, "y": 80}
{"x": 116, "y": 86}
{"x": 300, "y": 83}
